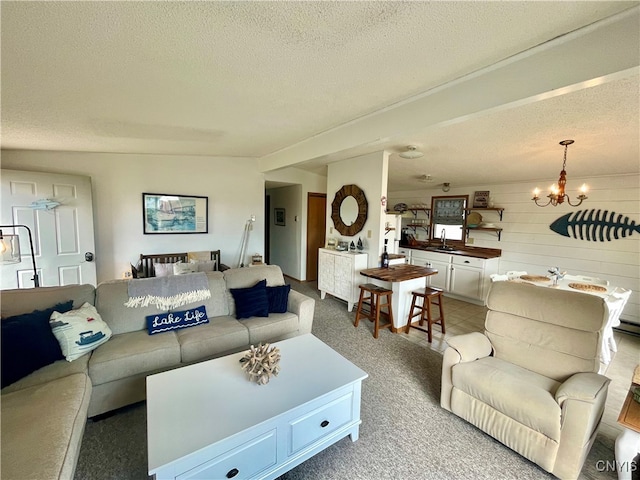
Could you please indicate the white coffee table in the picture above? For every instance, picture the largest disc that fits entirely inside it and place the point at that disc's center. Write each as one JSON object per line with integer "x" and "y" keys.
{"x": 207, "y": 421}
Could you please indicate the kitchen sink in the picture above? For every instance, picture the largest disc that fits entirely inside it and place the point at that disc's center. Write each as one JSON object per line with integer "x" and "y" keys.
{"x": 439, "y": 249}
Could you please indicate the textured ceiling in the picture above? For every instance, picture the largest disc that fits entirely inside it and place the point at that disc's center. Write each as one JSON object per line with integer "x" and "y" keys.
{"x": 251, "y": 79}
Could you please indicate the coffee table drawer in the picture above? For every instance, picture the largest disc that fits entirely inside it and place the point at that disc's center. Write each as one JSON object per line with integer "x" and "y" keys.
{"x": 320, "y": 422}
{"x": 243, "y": 461}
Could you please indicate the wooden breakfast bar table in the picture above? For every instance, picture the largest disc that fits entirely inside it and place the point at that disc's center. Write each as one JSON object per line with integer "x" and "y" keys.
{"x": 403, "y": 279}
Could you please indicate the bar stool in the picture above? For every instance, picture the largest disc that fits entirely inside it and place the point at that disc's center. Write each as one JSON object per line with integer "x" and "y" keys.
{"x": 374, "y": 303}
{"x": 428, "y": 295}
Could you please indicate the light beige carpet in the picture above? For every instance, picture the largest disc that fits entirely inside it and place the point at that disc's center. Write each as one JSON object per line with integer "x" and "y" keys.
{"x": 405, "y": 434}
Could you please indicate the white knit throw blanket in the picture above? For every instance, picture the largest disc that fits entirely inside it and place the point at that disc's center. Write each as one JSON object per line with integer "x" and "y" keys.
{"x": 168, "y": 292}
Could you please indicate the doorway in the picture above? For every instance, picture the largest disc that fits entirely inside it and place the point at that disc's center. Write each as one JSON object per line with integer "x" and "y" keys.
{"x": 267, "y": 229}
{"x": 316, "y": 229}
{"x": 63, "y": 237}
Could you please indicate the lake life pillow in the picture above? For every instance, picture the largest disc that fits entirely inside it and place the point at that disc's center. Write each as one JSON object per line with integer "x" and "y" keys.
{"x": 163, "y": 322}
{"x": 252, "y": 301}
{"x": 28, "y": 343}
{"x": 79, "y": 331}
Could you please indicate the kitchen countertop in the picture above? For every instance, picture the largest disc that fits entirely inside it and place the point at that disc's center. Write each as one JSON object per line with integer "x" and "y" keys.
{"x": 398, "y": 273}
{"x": 467, "y": 250}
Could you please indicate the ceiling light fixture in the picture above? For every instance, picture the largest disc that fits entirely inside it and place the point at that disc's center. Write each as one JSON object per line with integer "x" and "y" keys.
{"x": 412, "y": 152}
{"x": 446, "y": 187}
{"x": 426, "y": 179}
{"x": 557, "y": 195}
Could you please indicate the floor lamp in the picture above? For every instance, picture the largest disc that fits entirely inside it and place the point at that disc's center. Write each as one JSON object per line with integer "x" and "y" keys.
{"x": 10, "y": 249}
{"x": 245, "y": 239}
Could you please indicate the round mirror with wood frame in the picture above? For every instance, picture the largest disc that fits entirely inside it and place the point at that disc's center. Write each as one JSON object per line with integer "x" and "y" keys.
{"x": 357, "y": 193}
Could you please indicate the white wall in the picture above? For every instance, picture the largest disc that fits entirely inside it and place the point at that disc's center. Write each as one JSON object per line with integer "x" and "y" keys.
{"x": 235, "y": 188}
{"x": 283, "y": 241}
{"x": 369, "y": 172}
{"x": 529, "y": 244}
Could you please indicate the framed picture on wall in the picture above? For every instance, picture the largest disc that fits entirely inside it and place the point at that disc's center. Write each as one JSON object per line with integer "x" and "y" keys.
{"x": 166, "y": 213}
{"x": 481, "y": 199}
{"x": 278, "y": 216}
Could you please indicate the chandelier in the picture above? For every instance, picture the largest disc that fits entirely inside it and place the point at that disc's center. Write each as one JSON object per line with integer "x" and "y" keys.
{"x": 557, "y": 195}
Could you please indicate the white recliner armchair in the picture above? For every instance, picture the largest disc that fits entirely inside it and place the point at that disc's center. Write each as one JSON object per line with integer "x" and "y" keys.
{"x": 530, "y": 381}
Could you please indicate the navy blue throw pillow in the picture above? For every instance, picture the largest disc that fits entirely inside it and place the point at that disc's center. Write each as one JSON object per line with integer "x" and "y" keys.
{"x": 252, "y": 301}
{"x": 278, "y": 298}
{"x": 28, "y": 343}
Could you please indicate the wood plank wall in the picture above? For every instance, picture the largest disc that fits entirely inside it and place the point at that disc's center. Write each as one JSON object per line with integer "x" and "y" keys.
{"x": 528, "y": 243}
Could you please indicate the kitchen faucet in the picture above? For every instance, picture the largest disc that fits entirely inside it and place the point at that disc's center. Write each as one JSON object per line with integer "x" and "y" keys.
{"x": 443, "y": 237}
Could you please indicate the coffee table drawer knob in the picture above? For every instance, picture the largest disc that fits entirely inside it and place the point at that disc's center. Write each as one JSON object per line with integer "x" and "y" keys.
{"x": 324, "y": 424}
{"x": 232, "y": 473}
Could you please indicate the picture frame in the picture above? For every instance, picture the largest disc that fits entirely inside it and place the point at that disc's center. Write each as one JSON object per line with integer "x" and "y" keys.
{"x": 279, "y": 217}
{"x": 164, "y": 213}
{"x": 481, "y": 199}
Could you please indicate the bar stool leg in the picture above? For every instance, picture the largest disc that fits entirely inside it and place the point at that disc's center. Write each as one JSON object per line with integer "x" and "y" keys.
{"x": 427, "y": 302}
{"x": 441, "y": 313}
{"x": 376, "y": 324}
{"x": 359, "y": 309}
{"x": 413, "y": 306}
{"x": 390, "y": 310}
{"x": 423, "y": 310}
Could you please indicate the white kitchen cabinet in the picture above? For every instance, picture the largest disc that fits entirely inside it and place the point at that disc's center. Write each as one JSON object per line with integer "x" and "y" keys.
{"x": 439, "y": 261}
{"x": 339, "y": 274}
{"x": 459, "y": 276}
{"x": 465, "y": 281}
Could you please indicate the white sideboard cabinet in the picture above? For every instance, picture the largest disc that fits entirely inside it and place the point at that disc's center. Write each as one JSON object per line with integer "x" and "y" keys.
{"x": 339, "y": 274}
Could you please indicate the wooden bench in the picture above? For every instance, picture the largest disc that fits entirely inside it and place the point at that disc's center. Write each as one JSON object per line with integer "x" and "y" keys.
{"x": 145, "y": 266}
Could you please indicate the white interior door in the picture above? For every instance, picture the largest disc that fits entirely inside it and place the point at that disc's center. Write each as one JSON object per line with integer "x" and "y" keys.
{"x": 63, "y": 238}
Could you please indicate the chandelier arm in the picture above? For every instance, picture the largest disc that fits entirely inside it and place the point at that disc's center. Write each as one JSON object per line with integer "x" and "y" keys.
{"x": 580, "y": 198}
{"x": 541, "y": 205}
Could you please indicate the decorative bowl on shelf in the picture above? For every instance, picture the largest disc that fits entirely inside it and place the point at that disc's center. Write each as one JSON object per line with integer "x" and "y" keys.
{"x": 474, "y": 219}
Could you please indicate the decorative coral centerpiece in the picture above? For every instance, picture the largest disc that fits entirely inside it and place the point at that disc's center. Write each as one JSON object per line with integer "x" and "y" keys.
{"x": 261, "y": 363}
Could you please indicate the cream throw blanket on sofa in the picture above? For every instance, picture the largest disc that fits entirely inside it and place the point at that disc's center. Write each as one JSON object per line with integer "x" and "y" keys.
{"x": 168, "y": 292}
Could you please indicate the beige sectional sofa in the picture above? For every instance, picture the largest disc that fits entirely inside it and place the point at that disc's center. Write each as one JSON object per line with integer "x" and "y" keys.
{"x": 46, "y": 445}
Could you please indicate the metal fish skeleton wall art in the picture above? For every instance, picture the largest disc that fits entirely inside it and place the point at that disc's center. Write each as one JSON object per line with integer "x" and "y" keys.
{"x": 594, "y": 225}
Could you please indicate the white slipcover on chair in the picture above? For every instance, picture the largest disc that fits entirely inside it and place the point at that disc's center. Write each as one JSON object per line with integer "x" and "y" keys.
{"x": 616, "y": 302}
{"x": 530, "y": 380}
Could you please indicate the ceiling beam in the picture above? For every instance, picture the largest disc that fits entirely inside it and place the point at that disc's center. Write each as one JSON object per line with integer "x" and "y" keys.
{"x": 597, "y": 53}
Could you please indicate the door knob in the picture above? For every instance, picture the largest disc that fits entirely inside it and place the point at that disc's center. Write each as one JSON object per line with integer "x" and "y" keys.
{"x": 88, "y": 256}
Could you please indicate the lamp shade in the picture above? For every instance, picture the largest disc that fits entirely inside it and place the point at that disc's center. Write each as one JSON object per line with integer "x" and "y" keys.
{"x": 10, "y": 248}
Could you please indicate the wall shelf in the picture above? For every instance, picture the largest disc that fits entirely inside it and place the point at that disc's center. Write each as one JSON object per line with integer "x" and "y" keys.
{"x": 415, "y": 211}
{"x": 499, "y": 210}
{"x": 415, "y": 226}
{"x": 498, "y": 231}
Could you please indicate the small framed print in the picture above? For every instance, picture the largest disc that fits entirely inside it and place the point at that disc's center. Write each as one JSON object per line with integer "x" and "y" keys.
{"x": 278, "y": 216}
{"x": 481, "y": 199}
